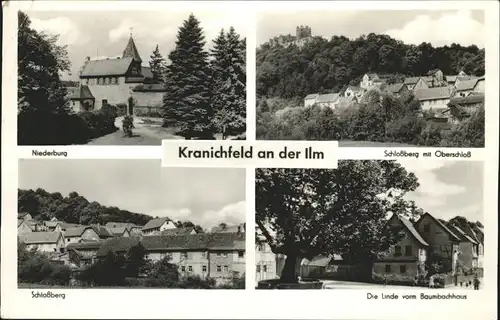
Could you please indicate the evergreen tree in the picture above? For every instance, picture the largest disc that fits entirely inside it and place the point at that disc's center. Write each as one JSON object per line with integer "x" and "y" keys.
{"x": 186, "y": 104}
{"x": 229, "y": 83}
{"x": 157, "y": 65}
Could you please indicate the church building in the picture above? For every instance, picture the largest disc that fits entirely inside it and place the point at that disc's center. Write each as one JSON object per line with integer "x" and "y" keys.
{"x": 114, "y": 81}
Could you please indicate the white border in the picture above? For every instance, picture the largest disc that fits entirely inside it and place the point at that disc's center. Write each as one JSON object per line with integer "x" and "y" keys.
{"x": 135, "y": 303}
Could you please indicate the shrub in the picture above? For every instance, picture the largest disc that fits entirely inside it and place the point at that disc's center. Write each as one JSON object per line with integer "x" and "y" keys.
{"x": 196, "y": 282}
{"x": 36, "y": 267}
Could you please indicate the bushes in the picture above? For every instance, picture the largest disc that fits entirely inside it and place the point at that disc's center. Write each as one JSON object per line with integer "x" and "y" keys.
{"x": 36, "y": 267}
{"x": 37, "y": 128}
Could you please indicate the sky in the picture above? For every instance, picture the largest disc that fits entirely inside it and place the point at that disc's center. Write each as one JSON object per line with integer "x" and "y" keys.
{"x": 448, "y": 188}
{"x": 411, "y": 26}
{"x": 106, "y": 33}
{"x": 205, "y": 196}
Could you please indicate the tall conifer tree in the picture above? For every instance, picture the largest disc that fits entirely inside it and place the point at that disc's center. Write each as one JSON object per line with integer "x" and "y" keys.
{"x": 186, "y": 104}
{"x": 157, "y": 65}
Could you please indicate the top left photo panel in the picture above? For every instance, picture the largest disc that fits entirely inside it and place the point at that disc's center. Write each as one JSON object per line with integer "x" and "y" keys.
{"x": 130, "y": 77}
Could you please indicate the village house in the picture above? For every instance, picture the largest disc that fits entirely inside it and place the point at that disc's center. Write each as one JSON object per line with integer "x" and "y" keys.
{"x": 450, "y": 80}
{"x": 132, "y": 228}
{"x": 53, "y": 226}
{"x": 396, "y": 89}
{"x": 156, "y": 226}
{"x": 268, "y": 265}
{"x": 411, "y": 82}
{"x": 119, "y": 231}
{"x": 112, "y": 81}
{"x": 43, "y": 241}
{"x": 479, "y": 232}
{"x": 216, "y": 255}
{"x": 23, "y": 226}
{"x": 311, "y": 99}
{"x": 408, "y": 256}
{"x": 461, "y": 108}
{"x": 25, "y": 216}
{"x": 179, "y": 231}
{"x": 421, "y": 84}
{"x": 468, "y": 250}
{"x": 443, "y": 243}
{"x": 80, "y": 234}
{"x": 83, "y": 253}
{"x": 436, "y": 99}
{"x": 229, "y": 228}
{"x": 101, "y": 231}
{"x": 369, "y": 81}
{"x": 329, "y": 100}
{"x": 353, "y": 91}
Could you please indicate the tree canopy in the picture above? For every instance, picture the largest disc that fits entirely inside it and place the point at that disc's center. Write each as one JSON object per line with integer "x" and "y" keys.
{"x": 321, "y": 65}
{"x": 307, "y": 212}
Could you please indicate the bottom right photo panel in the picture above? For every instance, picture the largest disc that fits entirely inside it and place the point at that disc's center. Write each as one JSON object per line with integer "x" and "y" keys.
{"x": 371, "y": 224}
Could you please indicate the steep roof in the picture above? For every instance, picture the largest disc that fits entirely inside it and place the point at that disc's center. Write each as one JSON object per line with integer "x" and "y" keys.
{"x": 471, "y": 99}
{"x": 409, "y": 226}
{"x": 466, "y": 85}
{"x": 21, "y": 215}
{"x": 19, "y": 222}
{"x": 436, "y": 93}
{"x": 118, "y": 231}
{"x": 155, "y": 223}
{"x": 461, "y": 234}
{"x": 330, "y": 97}
{"x": 81, "y": 92}
{"x": 453, "y": 236}
{"x": 40, "y": 237}
{"x": 177, "y": 231}
{"x": 51, "y": 224}
{"x": 395, "y": 88}
{"x": 411, "y": 80}
{"x": 131, "y": 51}
{"x": 75, "y": 232}
{"x": 106, "y": 67}
{"x": 84, "y": 245}
{"x": 101, "y": 231}
{"x": 121, "y": 224}
{"x": 311, "y": 96}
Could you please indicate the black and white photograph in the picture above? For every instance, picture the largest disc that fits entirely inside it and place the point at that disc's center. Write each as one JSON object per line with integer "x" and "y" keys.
{"x": 371, "y": 224}
{"x": 129, "y": 224}
{"x": 382, "y": 78}
{"x": 130, "y": 77}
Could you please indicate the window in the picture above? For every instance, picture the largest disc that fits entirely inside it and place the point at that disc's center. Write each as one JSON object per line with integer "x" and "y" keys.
{"x": 402, "y": 268}
{"x": 427, "y": 227}
{"x": 241, "y": 254}
{"x": 260, "y": 247}
{"x": 104, "y": 101}
{"x": 408, "y": 251}
{"x": 387, "y": 268}
{"x": 204, "y": 269}
{"x": 258, "y": 268}
{"x": 224, "y": 254}
{"x": 397, "y": 251}
{"x": 226, "y": 268}
{"x": 107, "y": 81}
{"x": 219, "y": 268}
{"x": 117, "y": 80}
{"x": 183, "y": 269}
{"x": 55, "y": 249}
{"x": 264, "y": 268}
{"x": 218, "y": 254}
{"x": 190, "y": 268}
{"x": 185, "y": 255}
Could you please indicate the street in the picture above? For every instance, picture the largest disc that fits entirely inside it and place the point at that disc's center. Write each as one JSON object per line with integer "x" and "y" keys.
{"x": 334, "y": 284}
{"x": 148, "y": 133}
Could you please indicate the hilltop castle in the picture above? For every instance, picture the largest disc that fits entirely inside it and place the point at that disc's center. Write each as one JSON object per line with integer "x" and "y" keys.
{"x": 302, "y": 35}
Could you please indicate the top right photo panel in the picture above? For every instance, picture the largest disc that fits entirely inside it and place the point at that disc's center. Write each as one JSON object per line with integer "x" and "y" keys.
{"x": 381, "y": 78}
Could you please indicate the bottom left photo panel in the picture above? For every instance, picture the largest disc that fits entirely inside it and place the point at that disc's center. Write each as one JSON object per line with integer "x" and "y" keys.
{"x": 129, "y": 224}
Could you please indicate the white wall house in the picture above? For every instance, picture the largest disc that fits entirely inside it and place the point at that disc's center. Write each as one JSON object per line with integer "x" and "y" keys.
{"x": 156, "y": 226}
{"x": 43, "y": 241}
{"x": 433, "y": 98}
{"x": 311, "y": 99}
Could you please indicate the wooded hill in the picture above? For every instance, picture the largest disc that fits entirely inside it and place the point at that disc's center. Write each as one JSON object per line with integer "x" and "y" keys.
{"x": 74, "y": 208}
{"x": 321, "y": 65}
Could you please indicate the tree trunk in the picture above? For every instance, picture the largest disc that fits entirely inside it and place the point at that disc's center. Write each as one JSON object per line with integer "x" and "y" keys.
{"x": 288, "y": 274}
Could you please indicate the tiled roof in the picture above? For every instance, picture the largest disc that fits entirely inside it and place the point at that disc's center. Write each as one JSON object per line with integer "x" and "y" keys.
{"x": 466, "y": 85}
{"x": 118, "y": 231}
{"x": 65, "y": 225}
{"x": 81, "y": 92}
{"x": 451, "y": 79}
{"x": 433, "y": 93}
{"x": 75, "y": 232}
{"x": 354, "y": 88}
{"x": 101, "y": 231}
{"x": 51, "y": 224}
{"x": 155, "y": 223}
{"x": 19, "y": 222}
{"x": 84, "y": 245}
{"x": 40, "y": 237}
{"x": 462, "y": 235}
{"x": 131, "y": 51}
{"x": 177, "y": 231}
{"x": 311, "y": 96}
{"x": 106, "y": 67}
{"x": 395, "y": 88}
{"x": 471, "y": 99}
{"x": 433, "y": 71}
{"x": 411, "y": 80}
{"x": 409, "y": 226}
{"x": 202, "y": 241}
{"x": 121, "y": 224}
{"x": 330, "y": 97}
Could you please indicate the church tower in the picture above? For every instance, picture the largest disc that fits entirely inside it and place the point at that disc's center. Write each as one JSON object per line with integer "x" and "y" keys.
{"x": 131, "y": 50}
